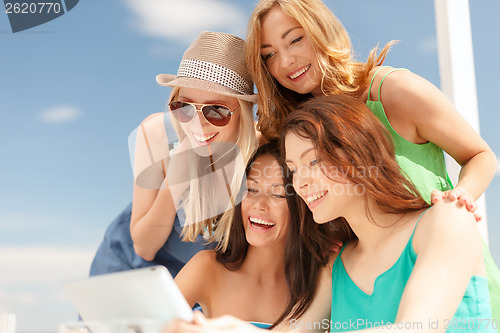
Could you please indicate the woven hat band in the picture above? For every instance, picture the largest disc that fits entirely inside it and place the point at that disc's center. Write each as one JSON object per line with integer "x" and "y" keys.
{"x": 214, "y": 73}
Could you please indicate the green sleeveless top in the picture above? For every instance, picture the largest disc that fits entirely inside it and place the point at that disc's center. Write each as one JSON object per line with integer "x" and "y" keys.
{"x": 423, "y": 163}
{"x": 353, "y": 309}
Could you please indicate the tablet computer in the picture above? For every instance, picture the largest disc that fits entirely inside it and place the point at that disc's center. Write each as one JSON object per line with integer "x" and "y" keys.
{"x": 144, "y": 293}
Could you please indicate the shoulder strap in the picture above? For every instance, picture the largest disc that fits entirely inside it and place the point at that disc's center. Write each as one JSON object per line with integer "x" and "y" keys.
{"x": 371, "y": 81}
{"x": 419, "y": 221}
{"x": 381, "y": 81}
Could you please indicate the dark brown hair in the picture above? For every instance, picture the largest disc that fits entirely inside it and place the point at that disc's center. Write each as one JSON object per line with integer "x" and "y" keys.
{"x": 341, "y": 121}
{"x": 303, "y": 260}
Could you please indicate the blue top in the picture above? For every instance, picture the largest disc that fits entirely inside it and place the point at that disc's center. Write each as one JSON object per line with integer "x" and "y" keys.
{"x": 353, "y": 309}
{"x": 260, "y": 325}
{"x": 116, "y": 252}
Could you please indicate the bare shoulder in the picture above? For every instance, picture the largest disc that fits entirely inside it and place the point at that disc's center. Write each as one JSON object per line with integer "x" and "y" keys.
{"x": 201, "y": 264}
{"x": 447, "y": 213}
{"x": 205, "y": 257}
{"x": 153, "y": 116}
{"x": 401, "y": 89}
{"x": 154, "y": 124}
{"x": 411, "y": 103}
{"x": 391, "y": 81}
{"x": 446, "y": 220}
{"x": 195, "y": 276}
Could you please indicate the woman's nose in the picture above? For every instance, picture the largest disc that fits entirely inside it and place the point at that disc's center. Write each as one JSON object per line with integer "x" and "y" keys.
{"x": 287, "y": 59}
{"x": 262, "y": 203}
{"x": 301, "y": 180}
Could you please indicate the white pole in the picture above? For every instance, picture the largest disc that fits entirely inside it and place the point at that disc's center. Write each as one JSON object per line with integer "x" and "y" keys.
{"x": 458, "y": 80}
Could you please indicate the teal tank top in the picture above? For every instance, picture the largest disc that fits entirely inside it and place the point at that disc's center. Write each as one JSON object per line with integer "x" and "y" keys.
{"x": 353, "y": 309}
{"x": 425, "y": 166}
{"x": 260, "y": 325}
{"x": 423, "y": 163}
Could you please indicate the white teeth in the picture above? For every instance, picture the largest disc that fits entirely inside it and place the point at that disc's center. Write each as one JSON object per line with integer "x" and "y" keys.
{"x": 260, "y": 221}
{"x": 299, "y": 73}
{"x": 204, "y": 138}
{"x": 315, "y": 197}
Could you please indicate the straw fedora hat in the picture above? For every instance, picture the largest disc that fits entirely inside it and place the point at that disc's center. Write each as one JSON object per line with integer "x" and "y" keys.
{"x": 214, "y": 62}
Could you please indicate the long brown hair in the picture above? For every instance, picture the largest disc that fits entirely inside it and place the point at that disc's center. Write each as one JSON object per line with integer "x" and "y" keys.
{"x": 367, "y": 158}
{"x": 303, "y": 260}
{"x": 341, "y": 74}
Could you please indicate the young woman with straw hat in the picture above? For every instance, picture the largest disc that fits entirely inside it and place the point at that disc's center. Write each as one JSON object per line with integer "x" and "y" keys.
{"x": 178, "y": 193}
{"x": 195, "y": 190}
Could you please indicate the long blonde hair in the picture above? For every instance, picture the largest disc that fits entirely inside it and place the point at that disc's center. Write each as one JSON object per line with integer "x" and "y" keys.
{"x": 199, "y": 201}
{"x": 331, "y": 42}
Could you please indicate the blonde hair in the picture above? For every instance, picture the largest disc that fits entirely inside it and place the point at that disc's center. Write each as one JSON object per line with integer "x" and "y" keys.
{"x": 331, "y": 42}
{"x": 199, "y": 201}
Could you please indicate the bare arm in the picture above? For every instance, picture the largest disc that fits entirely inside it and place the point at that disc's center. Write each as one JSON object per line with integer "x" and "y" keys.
{"x": 196, "y": 278}
{"x": 153, "y": 216}
{"x": 420, "y": 112}
{"x": 153, "y": 205}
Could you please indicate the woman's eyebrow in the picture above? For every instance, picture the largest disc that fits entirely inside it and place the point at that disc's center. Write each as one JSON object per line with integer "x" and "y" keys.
{"x": 301, "y": 155}
{"x": 283, "y": 36}
{"x": 288, "y": 31}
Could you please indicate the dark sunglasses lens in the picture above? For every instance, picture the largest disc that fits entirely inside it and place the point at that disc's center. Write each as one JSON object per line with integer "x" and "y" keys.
{"x": 183, "y": 112}
{"x": 217, "y": 115}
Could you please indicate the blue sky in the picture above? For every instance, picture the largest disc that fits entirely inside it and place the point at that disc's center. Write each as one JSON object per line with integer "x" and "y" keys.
{"x": 73, "y": 89}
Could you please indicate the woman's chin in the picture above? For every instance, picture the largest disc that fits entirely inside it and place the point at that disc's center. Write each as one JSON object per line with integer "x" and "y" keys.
{"x": 215, "y": 148}
{"x": 320, "y": 219}
{"x": 203, "y": 151}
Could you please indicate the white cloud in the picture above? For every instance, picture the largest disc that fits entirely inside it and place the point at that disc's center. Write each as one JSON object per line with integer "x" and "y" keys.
{"x": 19, "y": 221}
{"x": 43, "y": 264}
{"x": 60, "y": 114}
{"x": 31, "y": 284}
{"x": 428, "y": 45}
{"x": 183, "y": 20}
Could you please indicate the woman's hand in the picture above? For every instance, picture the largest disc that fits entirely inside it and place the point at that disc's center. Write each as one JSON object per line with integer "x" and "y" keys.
{"x": 463, "y": 197}
{"x": 200, "y": 324}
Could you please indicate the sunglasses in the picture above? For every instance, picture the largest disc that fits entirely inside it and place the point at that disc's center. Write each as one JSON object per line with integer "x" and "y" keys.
{"x": 217, "y": 115}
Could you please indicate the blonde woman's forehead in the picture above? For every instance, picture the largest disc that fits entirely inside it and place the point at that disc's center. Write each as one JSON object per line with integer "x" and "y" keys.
{"x": 277, "y": 22}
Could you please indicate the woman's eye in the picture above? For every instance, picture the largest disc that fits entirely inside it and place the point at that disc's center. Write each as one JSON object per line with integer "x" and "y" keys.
{"x": 314, "y": 162}
{"x": 279, "y": 196}
{"x": 296, "y": 40}
{"x": 266, "y": 57}
{"x": 252, "y": 191}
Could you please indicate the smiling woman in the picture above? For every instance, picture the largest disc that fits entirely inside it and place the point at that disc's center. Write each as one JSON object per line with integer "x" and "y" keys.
{"x": 297, "y": 49}
{"x": 184, "y": 197}
{"x": 267, "y": 274}
{"x": 405, "y": 261}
